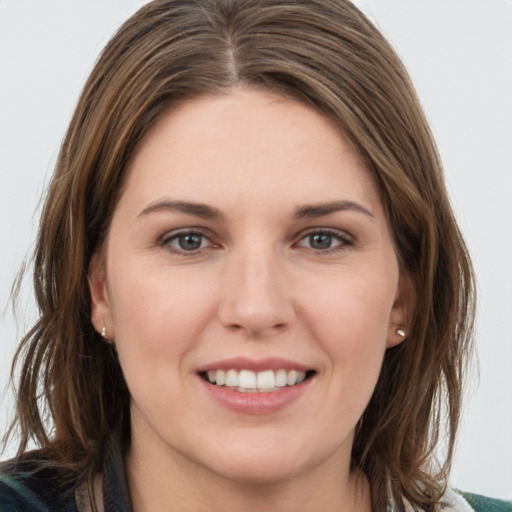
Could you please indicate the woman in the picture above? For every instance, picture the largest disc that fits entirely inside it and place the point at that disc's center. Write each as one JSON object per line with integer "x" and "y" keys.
{"x": 253, "y": 292}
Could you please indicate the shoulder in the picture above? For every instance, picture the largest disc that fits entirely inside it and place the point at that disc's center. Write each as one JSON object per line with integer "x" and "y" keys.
{"x": 30, "y": 485}
{"x": 458, "y": 501}
{"x": 484, "y": 504}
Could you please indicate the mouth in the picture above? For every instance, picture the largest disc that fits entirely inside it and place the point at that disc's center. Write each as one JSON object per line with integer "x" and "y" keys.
{"x": 249, "y": 381}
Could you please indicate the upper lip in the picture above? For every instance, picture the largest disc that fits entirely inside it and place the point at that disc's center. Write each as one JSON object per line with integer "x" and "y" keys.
{"x": 256, "y": 365}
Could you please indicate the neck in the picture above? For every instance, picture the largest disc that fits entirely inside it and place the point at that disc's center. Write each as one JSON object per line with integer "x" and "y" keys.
{"x": 181, "y": 485}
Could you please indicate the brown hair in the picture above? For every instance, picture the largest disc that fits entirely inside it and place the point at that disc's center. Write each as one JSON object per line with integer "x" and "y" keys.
{"x": 326, "y": 54}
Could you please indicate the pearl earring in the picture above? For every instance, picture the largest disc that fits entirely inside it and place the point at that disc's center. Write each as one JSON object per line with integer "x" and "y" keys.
{"x": 103, "y": 332}
{"x": 400, "y": 332}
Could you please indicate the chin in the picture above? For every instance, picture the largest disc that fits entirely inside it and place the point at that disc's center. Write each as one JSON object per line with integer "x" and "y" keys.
{"x": 266, "y": 463}
{"x": 259, "y": 471}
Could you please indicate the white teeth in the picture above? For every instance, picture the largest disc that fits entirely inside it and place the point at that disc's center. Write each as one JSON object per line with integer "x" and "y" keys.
{"x": 281, "y": 378}
{"x": 266, "y": 380}
{"x": 232, "y": 378}
{"x": 248, "y": 381}
{"x": 220, "y": 377}
{"x": 291, "y": 377}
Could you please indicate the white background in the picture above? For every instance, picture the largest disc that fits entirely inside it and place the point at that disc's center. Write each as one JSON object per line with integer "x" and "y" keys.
{"x": 459, "y": 54}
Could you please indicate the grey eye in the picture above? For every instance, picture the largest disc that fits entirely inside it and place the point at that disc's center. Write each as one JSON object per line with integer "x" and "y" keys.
{"x": 325, "y": 240}
{"x": 190, "y": 241}
{"x": 320, "y": 241}
{"x": 186, "y": 241}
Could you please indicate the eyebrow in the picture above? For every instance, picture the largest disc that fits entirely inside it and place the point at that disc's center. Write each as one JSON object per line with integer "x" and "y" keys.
{"x": 320, "y": 209}
{"x": 196, "y": 209}
{"x": 205, "y": 211}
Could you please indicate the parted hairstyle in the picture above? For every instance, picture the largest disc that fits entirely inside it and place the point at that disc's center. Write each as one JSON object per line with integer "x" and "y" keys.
{"x": 71, "y": 394}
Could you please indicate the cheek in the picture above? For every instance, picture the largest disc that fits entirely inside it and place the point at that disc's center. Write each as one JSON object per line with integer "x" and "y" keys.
{"x": 349, "y": 317}
{"x": 158, "y": 315}
{"x": 159, "y": 319}
{"x": 351, "y": 303}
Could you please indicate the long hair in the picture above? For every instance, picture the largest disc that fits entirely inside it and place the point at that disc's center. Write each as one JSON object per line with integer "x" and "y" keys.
{"x": 71, "y": 393}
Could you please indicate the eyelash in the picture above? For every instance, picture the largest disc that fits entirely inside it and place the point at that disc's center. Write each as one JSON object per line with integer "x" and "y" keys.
{"x": 343, "y": 239}
{"x": 165, "y": 241}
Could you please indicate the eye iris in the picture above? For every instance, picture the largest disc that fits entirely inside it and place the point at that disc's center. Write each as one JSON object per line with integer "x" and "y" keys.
{"x": 190, "y": 242}
{"x": 320, "y": 241}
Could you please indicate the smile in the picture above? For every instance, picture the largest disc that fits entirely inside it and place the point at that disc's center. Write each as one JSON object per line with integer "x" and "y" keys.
{"x": 248, "y": 381}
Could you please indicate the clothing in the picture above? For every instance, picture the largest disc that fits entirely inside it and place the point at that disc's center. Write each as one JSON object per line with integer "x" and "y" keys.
{"x": 25, "y": 488}
{"x": 484, "y": 504}
{"x": 466, "y": 502}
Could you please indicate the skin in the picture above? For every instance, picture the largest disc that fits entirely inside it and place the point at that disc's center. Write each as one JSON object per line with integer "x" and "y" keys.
{"x": 258, "y": 287}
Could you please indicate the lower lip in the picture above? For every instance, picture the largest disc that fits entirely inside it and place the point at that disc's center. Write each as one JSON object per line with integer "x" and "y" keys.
{"x": 256, "y": 403}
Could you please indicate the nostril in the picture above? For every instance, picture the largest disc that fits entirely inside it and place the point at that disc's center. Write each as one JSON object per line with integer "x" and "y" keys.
{"x": 257, "y": 331}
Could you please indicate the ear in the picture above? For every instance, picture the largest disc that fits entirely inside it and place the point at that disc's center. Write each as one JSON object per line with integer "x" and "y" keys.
{"x": 400, "y": 318}
{"x": 101, "y": 316}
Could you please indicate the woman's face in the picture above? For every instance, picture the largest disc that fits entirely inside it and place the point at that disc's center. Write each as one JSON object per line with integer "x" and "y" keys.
{"x": 250, "y": 283}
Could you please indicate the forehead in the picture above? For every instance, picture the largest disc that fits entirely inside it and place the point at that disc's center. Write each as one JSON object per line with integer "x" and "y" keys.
{"x": 243, "y": 144}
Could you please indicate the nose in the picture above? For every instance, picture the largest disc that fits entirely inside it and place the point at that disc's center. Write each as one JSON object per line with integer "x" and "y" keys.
{"x": 256, "y": 297}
